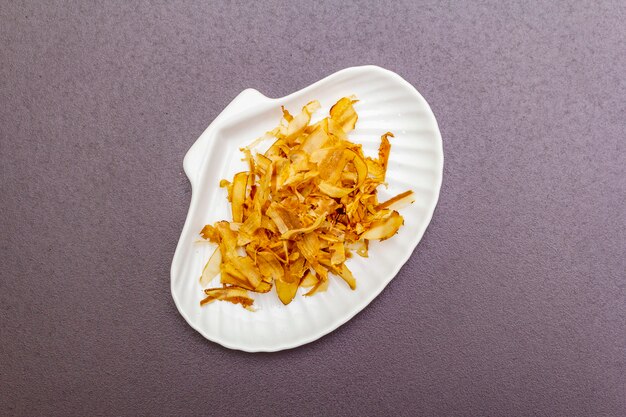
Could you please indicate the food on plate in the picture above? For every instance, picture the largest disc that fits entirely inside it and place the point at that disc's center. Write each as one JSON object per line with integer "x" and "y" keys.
{"x": 301, "y": 210}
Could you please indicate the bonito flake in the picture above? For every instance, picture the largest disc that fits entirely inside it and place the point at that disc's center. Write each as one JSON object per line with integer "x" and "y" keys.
{"x": 301, "y": 210}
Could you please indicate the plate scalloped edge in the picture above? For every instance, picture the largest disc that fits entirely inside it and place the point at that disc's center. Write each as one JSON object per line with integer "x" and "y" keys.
{"x": 196, "y": 159}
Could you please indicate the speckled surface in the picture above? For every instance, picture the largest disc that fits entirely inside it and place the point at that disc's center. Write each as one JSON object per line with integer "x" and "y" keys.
{"x": 513, "y": 304}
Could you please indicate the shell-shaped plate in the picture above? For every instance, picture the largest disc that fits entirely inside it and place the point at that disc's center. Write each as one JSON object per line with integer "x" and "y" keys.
{"x": 386, "y": 103}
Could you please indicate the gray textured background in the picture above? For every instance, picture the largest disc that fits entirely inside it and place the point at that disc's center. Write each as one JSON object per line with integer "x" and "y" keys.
{"x": 514, "y": 303}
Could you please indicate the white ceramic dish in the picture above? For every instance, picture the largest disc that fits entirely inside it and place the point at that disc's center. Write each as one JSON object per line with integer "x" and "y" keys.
{"x": 386, "y": 103}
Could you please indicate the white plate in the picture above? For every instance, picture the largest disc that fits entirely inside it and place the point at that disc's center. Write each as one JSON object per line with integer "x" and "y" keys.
{"x": 386, "y": 103}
